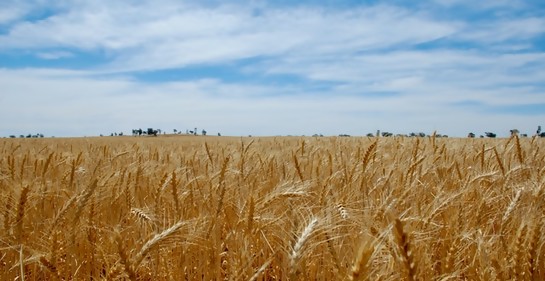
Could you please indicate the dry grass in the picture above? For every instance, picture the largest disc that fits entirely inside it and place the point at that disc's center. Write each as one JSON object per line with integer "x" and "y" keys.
{"x": 220, "y": 208}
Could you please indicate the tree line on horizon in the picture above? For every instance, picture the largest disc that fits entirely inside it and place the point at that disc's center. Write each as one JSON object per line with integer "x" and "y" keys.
{"x": 155, "y": 132}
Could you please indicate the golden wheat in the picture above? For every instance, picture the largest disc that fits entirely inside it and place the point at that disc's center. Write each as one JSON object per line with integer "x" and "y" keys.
{"x": 282, "y": 208}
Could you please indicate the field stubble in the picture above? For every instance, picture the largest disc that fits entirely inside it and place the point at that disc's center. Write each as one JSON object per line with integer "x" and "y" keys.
{"x": 286, "y": 208}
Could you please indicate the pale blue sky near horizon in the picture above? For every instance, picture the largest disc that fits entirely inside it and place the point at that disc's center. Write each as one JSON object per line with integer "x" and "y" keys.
{"x": 83, "y": 68}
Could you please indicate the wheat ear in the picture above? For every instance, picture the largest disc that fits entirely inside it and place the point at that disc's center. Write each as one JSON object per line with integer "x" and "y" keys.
{"x": 500, "y": 164}
{"x": 297, "y": 251}
{"x": 360, "y": 268}
{"x": 124, "y": 257}
{"x": 405, "y": 250}
{"x": 223, "y": 189}
{"x": 511, "y": 206}
{"x": 519, "y": 150}
{"x": 518, "y": 263}
{"x": 82, "y": 201}
{"x": 146, "y": 248}
{"x": 298, "y": 168}
{"x": 250, "y": 219}
{"x": 50, "y": 267}
{"x": 21, "y": 214}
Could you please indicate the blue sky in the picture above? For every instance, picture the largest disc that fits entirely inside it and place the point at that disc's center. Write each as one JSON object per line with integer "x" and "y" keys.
{"x": 75, "y": 68}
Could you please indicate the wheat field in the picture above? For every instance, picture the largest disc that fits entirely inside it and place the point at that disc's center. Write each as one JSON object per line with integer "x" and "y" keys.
{"x": 278, "y": 208}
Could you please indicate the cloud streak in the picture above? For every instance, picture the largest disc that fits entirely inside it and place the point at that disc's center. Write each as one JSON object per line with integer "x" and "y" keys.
{"x": 147, "y": 38}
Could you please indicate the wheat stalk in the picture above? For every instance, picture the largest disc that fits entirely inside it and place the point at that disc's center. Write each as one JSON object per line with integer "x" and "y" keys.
{"x": 261, "y": 269}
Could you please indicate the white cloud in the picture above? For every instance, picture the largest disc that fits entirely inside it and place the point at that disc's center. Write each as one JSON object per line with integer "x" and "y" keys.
{"x": 503, "y": 30}
{"x": 54, "y": 55}
{"x": 426, "y": 73}
{"x": 155, "y": 37}
{"x": 9, "y": 14}
{"x": 480, "y": 5}
{"x": 359, "y": 69}
{"x": 13, "y": 10}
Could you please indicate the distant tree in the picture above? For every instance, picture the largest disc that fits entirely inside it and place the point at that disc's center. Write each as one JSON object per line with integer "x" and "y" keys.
{"x": 136, "y": 132}
{"x": 151, "y": 131}
{"x": 219, "y": 135}
{"x": 471, "y": 135}
{"x": 490, "y": 135}
{"x": 12, "y": 136}
{"x": 175, "y": 131}
{"x": 204, "y": 132}
{"x": 539, "y": 133}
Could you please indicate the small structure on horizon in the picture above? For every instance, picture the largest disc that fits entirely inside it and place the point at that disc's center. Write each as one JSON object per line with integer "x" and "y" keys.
{"x": 490, "y": 135}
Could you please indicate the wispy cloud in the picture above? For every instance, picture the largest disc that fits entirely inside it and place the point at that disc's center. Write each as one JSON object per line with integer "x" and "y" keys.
{"x": 147, "y": 37}
{"x": 54, "y": 55}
